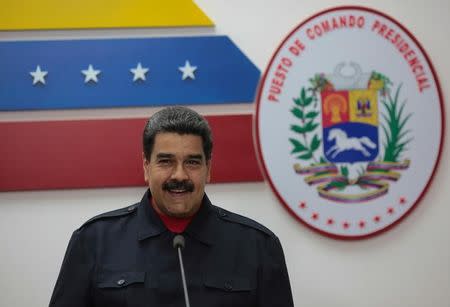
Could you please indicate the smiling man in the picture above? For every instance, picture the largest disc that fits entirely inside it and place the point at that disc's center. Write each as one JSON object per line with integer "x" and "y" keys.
{"x": 126, "y": 257}
{"x": 177, "y": 172}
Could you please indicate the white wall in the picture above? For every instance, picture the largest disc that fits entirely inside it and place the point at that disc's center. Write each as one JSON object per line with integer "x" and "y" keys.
{"x": 406, "y": 266}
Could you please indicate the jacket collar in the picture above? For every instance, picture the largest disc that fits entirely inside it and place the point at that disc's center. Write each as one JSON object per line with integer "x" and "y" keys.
{"x": 202, "y": 227}
{"x": 150, "y": 224}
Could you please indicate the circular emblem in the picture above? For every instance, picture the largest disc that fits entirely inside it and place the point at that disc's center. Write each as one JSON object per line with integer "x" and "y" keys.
{"x": 349, "y": 122}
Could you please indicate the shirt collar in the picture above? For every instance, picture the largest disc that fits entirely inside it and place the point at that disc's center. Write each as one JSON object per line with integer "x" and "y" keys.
{"x": 201, "y": 227}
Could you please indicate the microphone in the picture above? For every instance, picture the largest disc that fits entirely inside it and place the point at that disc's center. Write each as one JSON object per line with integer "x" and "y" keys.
{"x": 178, "y": 243}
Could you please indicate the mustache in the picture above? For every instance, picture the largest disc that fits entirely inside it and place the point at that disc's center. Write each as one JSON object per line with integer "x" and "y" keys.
{"x": 178, "y": 185}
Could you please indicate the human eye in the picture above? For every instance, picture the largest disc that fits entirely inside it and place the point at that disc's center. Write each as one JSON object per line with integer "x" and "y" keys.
{"x": 193, "y": 162}
{"x": 164, "y": 162}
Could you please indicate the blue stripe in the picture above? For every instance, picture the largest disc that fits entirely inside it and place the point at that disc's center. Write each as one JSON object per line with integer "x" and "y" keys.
{"x": 224, "y": 74}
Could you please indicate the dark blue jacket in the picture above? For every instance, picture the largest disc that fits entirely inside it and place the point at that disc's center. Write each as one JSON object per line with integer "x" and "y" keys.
{"x": 126, "y": 258}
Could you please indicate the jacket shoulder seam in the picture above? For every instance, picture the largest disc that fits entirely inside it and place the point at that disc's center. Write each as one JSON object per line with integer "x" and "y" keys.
{"x": 111, "y": 214}
{"x": 242, "y": 220}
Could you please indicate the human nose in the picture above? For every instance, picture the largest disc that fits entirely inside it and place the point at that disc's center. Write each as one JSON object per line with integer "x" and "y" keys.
{"x": 179, "y": 172}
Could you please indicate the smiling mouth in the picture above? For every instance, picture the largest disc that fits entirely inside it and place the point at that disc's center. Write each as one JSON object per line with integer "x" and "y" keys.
{"x": 178, "y": 191}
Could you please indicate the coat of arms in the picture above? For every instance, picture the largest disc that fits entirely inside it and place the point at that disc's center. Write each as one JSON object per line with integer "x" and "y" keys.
{"x": 349, "y": 122}
{"x": 348, "y": 151}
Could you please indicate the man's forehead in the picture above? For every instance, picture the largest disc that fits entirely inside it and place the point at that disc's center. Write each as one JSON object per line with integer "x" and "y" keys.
{"x": 173, "y": 143}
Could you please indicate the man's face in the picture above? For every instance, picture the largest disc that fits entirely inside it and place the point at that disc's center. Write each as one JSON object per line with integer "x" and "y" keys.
{"x": 177, "y": 173}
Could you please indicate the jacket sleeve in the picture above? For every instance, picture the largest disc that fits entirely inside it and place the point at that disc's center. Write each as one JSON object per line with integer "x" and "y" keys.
{"x": 74, "y": 281}
{"x": 274, "y": 286}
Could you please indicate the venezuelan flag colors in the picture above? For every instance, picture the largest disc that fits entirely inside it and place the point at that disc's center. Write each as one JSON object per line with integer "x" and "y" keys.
{"x": 102, "y": 73}
{"x": 94, "y": 14}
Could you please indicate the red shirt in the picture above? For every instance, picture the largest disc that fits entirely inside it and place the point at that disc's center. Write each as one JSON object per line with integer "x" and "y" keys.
{"x": 174, "y": 224}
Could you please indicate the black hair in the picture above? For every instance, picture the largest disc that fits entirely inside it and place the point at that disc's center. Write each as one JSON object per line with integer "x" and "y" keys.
{"x": 180, "y": 120}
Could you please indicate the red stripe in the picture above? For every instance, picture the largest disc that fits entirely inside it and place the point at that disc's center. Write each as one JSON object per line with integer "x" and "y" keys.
{"x": 107, "y": 153}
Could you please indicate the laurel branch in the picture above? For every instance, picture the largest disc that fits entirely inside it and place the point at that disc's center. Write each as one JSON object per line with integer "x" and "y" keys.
{"x": 309, "y": 141}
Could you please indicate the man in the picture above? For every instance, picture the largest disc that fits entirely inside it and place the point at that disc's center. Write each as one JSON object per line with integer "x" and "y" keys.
{"x": 126, "y": 257}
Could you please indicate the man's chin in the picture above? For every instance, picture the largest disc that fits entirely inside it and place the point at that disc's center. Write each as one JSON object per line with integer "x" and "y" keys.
{"x": 179, "y": 214}
{"x": 178, "y": 211}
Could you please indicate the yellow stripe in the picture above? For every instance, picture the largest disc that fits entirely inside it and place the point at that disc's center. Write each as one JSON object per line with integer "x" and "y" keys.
{"x": 82, "y": 14}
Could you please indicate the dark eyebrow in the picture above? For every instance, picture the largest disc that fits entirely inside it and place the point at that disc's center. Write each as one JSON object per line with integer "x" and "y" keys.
{"x": 163, "y": 155}
{"x": 198, "y": 157}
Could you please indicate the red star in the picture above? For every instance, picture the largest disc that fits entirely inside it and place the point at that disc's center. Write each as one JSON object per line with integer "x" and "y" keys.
{"x": 315, "y": 216}
{"x": 302, "y": 205}
{"x": 377, "y": 218}
{"x": 390, "y": 210}
{"x": 346, "y": 225}
{"x": 330, "y": 221}
{"x": 402, "y": 200}
{"x": 362, "y": 224}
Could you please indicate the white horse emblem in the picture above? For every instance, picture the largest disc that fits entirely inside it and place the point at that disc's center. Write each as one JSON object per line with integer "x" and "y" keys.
{"x": 343, "y": 143}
